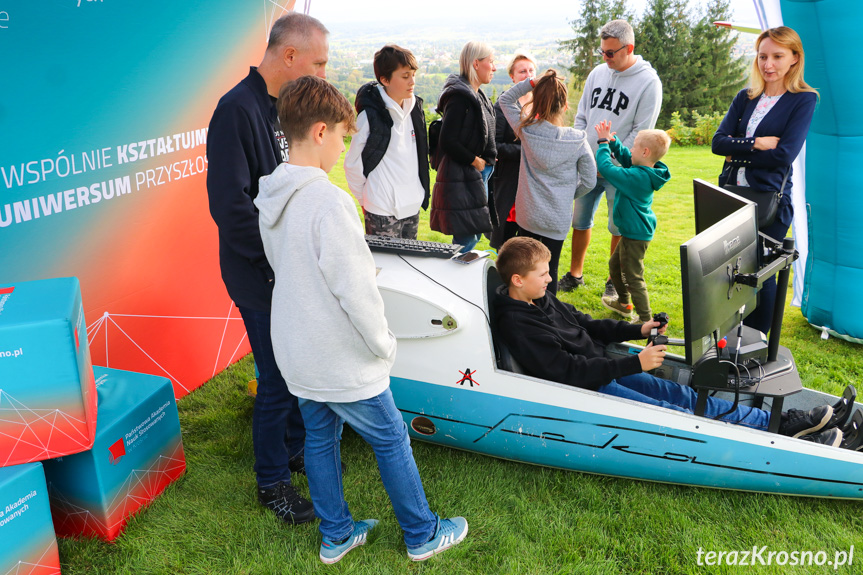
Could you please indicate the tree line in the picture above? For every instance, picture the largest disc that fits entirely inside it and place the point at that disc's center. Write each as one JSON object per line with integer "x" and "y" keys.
{"x": 694, "y": 59}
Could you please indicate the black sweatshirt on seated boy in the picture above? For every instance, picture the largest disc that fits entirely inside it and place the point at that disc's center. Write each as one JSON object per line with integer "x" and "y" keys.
{"x": 553, "y": 340}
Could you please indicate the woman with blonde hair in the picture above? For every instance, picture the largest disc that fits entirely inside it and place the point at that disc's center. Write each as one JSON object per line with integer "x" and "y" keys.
{"x": 467, "y": 150}
{"x": 763, "y": 132}
{"x": 505, "y": 179}
{"x": 557, "y": 164}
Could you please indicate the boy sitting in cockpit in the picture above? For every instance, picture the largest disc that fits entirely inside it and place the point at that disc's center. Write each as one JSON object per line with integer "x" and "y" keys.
{"x": 553, "y": 340}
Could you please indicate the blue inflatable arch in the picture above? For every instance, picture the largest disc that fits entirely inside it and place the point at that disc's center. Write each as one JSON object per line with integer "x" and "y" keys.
{"x": 833, "y": 282}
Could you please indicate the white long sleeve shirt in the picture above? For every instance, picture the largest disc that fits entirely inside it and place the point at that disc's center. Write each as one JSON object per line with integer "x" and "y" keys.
{"x": 393, "y": 188}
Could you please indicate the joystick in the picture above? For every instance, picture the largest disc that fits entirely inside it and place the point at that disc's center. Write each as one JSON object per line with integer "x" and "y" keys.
{"x": 654, "y": 336}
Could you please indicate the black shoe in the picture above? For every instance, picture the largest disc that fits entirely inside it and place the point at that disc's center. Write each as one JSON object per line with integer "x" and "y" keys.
{"x": 610, "y": 292}
{"x": 298, "y": 465}
{"x": 844, "y": 408}
{"x": 832, "y": 437}
{"x": 569, "y": 282}
{"x": 288, "y": 505}
{"x": 796, "y": 422}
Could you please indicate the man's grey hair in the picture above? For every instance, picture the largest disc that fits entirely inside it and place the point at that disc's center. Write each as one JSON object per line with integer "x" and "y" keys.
{"x": 294, "y": 29}
{"x": 619, "y": 29}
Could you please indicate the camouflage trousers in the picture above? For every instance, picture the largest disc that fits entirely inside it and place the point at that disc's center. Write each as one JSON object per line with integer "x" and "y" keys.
{"x": 391, "y": 226}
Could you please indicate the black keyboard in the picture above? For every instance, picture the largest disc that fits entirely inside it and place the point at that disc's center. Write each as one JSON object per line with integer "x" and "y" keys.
{"x": 412, "y": 247}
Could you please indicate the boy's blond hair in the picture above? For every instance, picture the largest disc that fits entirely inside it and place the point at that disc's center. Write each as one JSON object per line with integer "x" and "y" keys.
{"x": 520, "y": 255}
{"x": 308, "y": 100}
{"x": 657, "y": 141}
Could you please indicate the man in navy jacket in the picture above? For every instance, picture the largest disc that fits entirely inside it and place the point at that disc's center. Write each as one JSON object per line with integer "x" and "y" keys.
{"x": 244, "y": 143}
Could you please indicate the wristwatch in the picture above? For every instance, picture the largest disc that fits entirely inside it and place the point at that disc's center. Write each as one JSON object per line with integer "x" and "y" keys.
{"x": 602, "y": 141}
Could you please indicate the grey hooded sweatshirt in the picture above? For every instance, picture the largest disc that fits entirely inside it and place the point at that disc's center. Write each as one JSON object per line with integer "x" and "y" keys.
{"x": 556, "y": 166}
{"x": 330, "y": 336}
{"x": 630, "y": 100}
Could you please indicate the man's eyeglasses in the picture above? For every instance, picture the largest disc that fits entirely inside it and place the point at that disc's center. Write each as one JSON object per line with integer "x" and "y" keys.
{"x": 610, "y": 53}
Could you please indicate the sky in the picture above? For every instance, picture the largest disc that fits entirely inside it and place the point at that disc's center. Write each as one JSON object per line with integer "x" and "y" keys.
{"x": 556, "y": 12}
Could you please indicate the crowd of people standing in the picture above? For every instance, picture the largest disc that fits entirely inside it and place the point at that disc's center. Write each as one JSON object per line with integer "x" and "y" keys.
{"x": 280, "y": 130}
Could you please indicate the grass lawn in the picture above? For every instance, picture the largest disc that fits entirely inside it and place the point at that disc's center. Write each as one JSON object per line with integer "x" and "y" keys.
{"x": 523, "y": 519}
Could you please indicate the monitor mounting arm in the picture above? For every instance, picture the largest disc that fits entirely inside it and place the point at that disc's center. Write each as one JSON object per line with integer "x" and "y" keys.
{"x": 780, "y": 256}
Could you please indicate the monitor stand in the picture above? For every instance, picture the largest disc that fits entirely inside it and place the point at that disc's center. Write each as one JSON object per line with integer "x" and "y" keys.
{"x": 782, "y": 364}
{"x": 778, "y": 374}
{"x": 777, "y": 363}
{"x": 754, "y": 354}
{"x": 778, "y": 380}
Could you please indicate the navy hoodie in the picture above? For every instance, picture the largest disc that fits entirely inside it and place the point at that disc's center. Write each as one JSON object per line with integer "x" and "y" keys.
{"x": 244, "y": 143}
{"x": 553, "y": 340}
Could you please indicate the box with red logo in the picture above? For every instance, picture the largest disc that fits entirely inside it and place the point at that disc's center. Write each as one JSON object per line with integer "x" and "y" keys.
{"x": 47, "y": 392}
{"x": 27, "y": 542}
{"x": 137, "y": 453}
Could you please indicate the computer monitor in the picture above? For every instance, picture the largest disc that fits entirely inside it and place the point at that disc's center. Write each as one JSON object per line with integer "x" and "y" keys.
{"x": 708, "y": 263}
{"x": 713, "y": 203}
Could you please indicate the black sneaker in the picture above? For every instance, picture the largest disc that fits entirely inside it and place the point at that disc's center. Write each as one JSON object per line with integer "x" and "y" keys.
{"x": 569, "y": 282}
{"x": 609, "y": 292}
{"x": 832, "y": 437}
{"x": 796, "y": 422}
{"x": 288, "y": 505}
{"x": 297, "y": 464}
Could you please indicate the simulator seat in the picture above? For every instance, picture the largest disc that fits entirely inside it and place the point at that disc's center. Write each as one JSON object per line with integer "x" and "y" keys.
{"x": 502, "y": 355}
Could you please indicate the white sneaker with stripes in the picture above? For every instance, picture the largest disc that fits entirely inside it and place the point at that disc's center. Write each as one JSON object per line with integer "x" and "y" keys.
{"x": 450, "y": 532}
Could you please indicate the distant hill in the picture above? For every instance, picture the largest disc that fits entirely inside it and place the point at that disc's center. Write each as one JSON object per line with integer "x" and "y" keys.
{"x": 437, "y": 47}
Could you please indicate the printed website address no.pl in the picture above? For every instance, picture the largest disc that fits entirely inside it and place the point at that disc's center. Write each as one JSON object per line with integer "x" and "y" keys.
{"x": 763, "y": 556}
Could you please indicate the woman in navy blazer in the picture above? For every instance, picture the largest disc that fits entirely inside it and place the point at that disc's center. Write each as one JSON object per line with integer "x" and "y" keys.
{"x": 763, "y": 132}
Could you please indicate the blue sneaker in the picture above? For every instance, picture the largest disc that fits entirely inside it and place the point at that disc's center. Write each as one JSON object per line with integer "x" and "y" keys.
{"x": 332, "y": 552}
{"x": 450, "y": 532}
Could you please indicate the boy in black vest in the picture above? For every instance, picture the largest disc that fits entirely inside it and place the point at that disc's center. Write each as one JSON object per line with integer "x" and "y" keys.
{"x": 387, "y": 165}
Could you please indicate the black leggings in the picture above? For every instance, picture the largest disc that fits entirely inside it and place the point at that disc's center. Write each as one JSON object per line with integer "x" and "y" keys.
{"x": 762, "y": 318}
{"x": 555, "y": 247}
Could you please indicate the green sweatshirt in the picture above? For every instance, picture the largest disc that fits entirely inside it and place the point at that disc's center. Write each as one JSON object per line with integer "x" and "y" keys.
{"x": 635, "y": 186}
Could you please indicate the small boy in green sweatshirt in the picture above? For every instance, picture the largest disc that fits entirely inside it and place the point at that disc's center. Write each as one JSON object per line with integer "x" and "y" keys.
{"x": 639, "y": 174}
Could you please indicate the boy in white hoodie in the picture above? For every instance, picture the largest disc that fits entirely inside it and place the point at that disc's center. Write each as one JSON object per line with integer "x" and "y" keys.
{"x": 330, "y": 336}
{"x": 387, "y": 166}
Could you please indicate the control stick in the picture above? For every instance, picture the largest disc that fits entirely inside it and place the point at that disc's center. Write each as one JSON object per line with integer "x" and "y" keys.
{"x": 658, "y": 339}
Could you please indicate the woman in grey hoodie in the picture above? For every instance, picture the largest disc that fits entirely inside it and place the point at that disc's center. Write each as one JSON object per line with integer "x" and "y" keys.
{"x": 556, "y": 163}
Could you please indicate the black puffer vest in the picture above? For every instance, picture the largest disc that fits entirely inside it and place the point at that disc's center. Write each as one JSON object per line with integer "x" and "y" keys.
{"x": 369, "y": 99}
{"x": 459, "y": 202}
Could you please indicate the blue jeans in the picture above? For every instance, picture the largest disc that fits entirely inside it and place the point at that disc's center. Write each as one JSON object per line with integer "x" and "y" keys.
{"x": 645, "y": 388}
{"x": 380, "y": 424}
{"x": 469, "y": 241}
{"x": 486, "y": 173}
{"x": 278, "y": 433}
{"x": 585, "y": 207}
